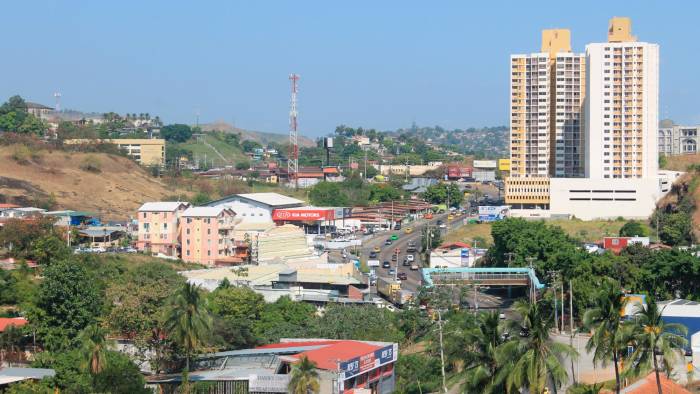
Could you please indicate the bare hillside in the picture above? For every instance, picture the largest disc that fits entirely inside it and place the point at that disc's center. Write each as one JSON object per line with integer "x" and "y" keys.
{"x": 113, "y": 187}
{"x": 258, "y": 136}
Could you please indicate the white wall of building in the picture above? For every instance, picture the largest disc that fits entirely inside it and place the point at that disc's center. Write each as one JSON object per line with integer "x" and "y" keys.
{"x": 589, "y": 199}
{"x": 247, "y": 212}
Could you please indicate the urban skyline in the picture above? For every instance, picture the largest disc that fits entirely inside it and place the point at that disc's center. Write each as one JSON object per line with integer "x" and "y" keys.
{"x": 418, "y": 67}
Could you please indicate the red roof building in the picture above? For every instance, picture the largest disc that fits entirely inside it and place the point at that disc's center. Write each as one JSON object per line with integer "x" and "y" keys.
{"x": 12, "y": 321}
{"x": 648, "y": 385}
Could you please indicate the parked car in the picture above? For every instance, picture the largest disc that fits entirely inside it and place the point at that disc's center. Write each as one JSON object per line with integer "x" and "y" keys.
{"x": 402, "y": 276}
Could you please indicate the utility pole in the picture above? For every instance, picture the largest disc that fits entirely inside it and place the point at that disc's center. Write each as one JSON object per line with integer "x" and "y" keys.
{"x": 442, "y": 352}
{"x": 510, "y": 258}
{"x": 571, "y": 324}
{"x": 563, "y": 327}
{"x": 533, "y": 297}
{"x": 293, "y": 159}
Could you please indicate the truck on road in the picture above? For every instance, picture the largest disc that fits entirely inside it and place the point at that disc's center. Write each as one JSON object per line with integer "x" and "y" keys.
{"x": 391, "y": 290}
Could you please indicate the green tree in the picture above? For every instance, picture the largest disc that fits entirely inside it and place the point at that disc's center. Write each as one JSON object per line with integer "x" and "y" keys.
{"x": 633, "y": 229}
{"x": 440, "y": 193}
{"x": 657, "y": 344}
{"x": 249, "y": 146}
{"x": 68, "y": 301}
{"x": 328, "y": 194}
{"x": 243, "y": 165}
{"x": 676, "y": 229}
{"x": 304, "y": 379}
{"x": 201, "y": 198}
{"x": 608, "y": 336}
{"x": 480, "y": 354}
{"x": 176, "y": 132}
{"x": 358, "y": 322}
{"x": 93, "y": 349}
{"x": 48, "y": 249}
{"x": 285, "y": 318}
{"x": 188, "y": 321}
{"x": 533, "y": 359}
{"x": 418, "y": 373}
{"x": 236, "y": 308}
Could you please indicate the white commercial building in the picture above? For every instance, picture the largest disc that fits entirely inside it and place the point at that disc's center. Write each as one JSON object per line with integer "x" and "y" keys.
{"x": 256, "y": 207}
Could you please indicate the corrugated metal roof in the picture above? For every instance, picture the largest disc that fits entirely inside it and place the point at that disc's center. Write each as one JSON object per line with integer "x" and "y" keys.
{"x": 272, "y": 199}
{"x": 203, "y": 211}
{"x": 27, "y": 373}
{"x": 162, "y": 206}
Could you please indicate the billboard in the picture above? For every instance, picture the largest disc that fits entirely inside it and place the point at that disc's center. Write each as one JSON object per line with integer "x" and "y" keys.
{"x": 493, "y": 213}
{"x": 301, "y": 215}
{"x": 504, "y": 164}
{"x": 490, "y": 164}
{"x": 459, "y": 172}
{"x": 376, "y": 359}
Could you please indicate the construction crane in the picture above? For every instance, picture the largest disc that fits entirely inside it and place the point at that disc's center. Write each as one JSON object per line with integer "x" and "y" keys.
{"x": 293, "y": 159}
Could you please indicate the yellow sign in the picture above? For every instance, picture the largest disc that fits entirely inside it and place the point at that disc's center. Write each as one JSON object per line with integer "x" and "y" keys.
{"x": 504, "y": 164}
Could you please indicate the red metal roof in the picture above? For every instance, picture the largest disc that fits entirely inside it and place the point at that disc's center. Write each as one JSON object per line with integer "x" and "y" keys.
{"x": 454, "y": 245}
{"x": 648, "y": 385}
{"x": 327, "y": 357}
{"x": 11, "y": 321}
{"x": 6, "y": 206}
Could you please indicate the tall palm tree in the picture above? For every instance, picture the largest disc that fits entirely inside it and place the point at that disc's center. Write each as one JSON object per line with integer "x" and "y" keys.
{"x": 10, "y": 340}
{"x": 481, "y": 364}
{"x": 304, "y": 377}
{"x": 532, "y": 359}
{"x": 188, "y": 320}
{"x": 603, "y": 319}
{"x": 93, "y": 348}
{"x": 655, "y": 342}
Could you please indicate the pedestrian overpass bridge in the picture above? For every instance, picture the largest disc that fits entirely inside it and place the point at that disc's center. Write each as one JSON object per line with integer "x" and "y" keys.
{"x": 481, "y": 276}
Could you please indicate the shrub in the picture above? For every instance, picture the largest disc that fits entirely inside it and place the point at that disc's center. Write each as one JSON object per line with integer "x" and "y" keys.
{"x": 21, "y": 155}
{"x": 91, "y": 164}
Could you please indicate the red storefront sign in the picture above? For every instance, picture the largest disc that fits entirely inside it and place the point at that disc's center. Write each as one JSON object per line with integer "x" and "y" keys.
{"x": 291, "y": 215}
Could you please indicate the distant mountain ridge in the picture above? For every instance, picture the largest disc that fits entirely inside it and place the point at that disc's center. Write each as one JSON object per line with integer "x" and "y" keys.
{"x": 262, "y": 137}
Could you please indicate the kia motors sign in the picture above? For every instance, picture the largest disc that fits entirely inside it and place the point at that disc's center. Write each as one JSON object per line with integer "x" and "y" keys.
{"x": 376, "y": 359}
{"x": 301, "y": 215}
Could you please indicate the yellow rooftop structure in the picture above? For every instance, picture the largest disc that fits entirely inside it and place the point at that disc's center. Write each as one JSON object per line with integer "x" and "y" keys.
{"x": 555, "y": 41}
{"x": 620, "y": 30}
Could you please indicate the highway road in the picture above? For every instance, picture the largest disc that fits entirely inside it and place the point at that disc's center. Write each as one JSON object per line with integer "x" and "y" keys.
{"x": 485, "y": 299}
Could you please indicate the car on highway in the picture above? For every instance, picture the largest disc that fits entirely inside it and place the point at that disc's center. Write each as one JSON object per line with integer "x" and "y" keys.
{"x": 373, "y": 255}
{"x": 394, "y": 257}
{"x": 428, "y": 216}
{"x": 410, "y": 257}
{"x": 392, "y": 271}
{"x": 402, "y": 276}
{"x": 450, "y": 217}
{"x": 408, "y": 230}
{"x": 439, "y": 222}
{"x": 377, "y": 249}
{"x": 442, "y": 225}
{"x": 386, "y": 264}
{"x": 394, "y": 237}
{"x": 406, "y": 263}
{"x": 387, "y": 242}
{"x": 414, "y": 267}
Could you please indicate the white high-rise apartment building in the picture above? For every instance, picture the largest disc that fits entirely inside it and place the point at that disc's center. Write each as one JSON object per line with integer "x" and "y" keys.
{"x": 621, "y": 106}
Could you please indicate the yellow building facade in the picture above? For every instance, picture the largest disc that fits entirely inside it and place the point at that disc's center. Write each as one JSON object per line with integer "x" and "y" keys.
{"x": 147, "y": 152}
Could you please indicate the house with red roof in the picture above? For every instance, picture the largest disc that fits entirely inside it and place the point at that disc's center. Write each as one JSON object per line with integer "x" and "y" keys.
{"x": 343, "y": 366}
{"x": 12, "y": 321}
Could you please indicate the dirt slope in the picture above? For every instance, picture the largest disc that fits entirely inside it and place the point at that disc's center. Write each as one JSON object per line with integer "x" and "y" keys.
{"x": 115, "y": 192}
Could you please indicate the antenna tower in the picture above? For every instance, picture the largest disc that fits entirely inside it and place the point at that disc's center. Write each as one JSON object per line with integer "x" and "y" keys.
{"x": 57, "y": 96}
{"x": 293, "y": 160}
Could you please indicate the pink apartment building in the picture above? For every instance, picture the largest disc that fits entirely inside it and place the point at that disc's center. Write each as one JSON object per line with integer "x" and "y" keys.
{"x": 159, "y": 227}
{"x": 207, "y": 234}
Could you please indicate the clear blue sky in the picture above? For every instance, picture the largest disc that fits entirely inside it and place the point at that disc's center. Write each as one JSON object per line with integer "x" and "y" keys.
{"x": 381, "y": 64}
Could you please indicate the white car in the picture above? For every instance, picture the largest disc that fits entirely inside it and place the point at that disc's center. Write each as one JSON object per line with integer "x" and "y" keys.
{"x": 410, "y": 257}
{"x": 442, "y": 225}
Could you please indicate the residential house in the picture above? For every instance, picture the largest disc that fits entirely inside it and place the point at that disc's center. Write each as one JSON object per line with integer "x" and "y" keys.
{"x": 159, "y": 227}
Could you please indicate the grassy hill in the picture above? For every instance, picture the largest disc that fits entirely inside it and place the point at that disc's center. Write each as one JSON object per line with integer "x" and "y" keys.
{"x": 262, "y": 137}
{"x": 109, "y": 185}
{"x": 213, "y": 148}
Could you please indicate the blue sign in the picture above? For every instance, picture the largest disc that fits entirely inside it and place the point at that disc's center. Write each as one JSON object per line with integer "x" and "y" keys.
{"x": 358, "y": 365}
{"x": 465, "y": 253}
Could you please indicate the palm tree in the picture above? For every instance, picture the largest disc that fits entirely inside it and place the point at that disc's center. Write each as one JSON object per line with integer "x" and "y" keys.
{"x": 188, "y": 321}
{"x": 582, "y": 388}
{"x": 93, "y": 348}
{"x": 608, "y": 338}
{"x": 532, "y": 359}
{"x": 655, "y": 342}
{"x": 10, "y": 340}
{"x": 480, "y": 359}
{"x": 304, "y": 377}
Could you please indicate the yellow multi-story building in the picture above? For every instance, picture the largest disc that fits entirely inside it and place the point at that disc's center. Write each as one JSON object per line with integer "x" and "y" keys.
{"x": 147, "y": 152}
